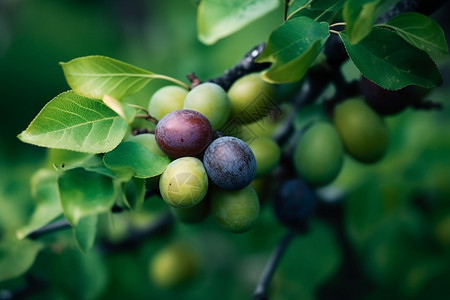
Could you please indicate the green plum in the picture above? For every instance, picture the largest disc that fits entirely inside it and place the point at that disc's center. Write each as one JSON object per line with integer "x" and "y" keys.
{"x": 184, "y": 183}
{"x": 165, "y": 100}
{"x": 318, "y": 155}
{"x": 236, "y": 210}
{"x": 174, "y": 265}
{"x": 251, "y": 98}
{"x": 211, "y": 100}
{"x": 363, "y": 132}
{"x": 267, "y": 154}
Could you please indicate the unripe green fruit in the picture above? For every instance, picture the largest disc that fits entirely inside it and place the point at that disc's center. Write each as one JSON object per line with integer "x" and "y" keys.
{"x": 210, "y": 100}
{"x": 148, "y": 140}
{"x": 184, "y": 183}
{"x": 319, "y": 154}
{"x": 363, "y": 132}
{"x": 251, "y": 98}
{"x": 166, "y": 100}
{"x": 267, "y": 154}
{"x": 235, "y": 211}
{"x": 173, "y": 266}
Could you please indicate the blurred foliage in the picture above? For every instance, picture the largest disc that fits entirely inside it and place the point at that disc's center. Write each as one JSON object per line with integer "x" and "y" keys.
{"x": 396, "y": 215}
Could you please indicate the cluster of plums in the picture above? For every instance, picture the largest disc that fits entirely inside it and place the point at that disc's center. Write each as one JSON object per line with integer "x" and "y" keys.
{"x": 208, "y": 172}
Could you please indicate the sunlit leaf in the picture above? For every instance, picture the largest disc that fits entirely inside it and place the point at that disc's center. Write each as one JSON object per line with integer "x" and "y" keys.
{"x": 97, "y": 76}
{"x": 359, "y": 16}
{"x": 73, "y": 122}
{"x": 391, "y": 62}
{"x": 420, "y": 31}
{"x": 217, "y": 19}
{"x": 83, "y": 193}
{"x": 132, "y": 159}
{"x": 292, "y": 48}
{"x": 45, "y": 191}
{"x": 17, "y": 256}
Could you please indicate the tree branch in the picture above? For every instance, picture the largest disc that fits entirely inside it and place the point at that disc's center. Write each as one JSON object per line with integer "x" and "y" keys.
{"x": 263, "y": 284}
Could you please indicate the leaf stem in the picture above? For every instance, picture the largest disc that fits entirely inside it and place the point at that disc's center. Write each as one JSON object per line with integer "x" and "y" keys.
{"x": 260, "y": 292}
{"x": 337, "y": 24}
{"x": 171, "y": 79}
{"x": 299, "y": 9}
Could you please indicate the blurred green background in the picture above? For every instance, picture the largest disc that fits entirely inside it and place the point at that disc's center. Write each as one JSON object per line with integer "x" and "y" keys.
{"x": 396, "y": 225}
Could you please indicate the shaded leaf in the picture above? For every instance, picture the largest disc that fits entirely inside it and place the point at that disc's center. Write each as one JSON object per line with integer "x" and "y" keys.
{"x": 83, "y": 193}
{"x": 391, "y": 62}
{"x": 359, "y": 16}
{"x": 421, "y": 32}
{"x": 132, "y": 159}
{"x": 292, "y": 48}
{"x": 17, "y": 256}
{"x": 76, "y": 123}
{"x": 217, "y": 19}
{"x": 85, "y": 232}
{"x": 134, "y": 193}
{"x": 44, "y": 189}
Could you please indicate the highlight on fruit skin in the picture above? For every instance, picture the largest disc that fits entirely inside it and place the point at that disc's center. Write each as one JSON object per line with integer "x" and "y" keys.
{"x": 235, "y": 211}
{"x": 319, "y": 154}
{"x": 363, "y": 132}
{"x": 183, "y": 132}
{"x": 184, "y": 183}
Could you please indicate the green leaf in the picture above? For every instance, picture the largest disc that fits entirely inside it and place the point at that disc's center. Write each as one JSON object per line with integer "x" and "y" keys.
{"x": 297, "y": 5}
{"x": 83, "y": 193}
{"x": 292, "y": 48}
{"x": 123, "y": 109}
{"x": 421, "y": 32}
{"x": 44, "y": 189}
{"x": 327, "y": 5}
{"x": 76, "y": 123}
{"x": 134, "y": 193}
{"x": 359, "y": 16}
{"x": 17, "y": 256}
{"x": 131, "y": 159}
{"x": 317, "y": 9}
{"x": 391, "y": 62}
{"x": 85, "y": 232}
{"x": 217, "y": 19}
{"x": 97, "y": 76}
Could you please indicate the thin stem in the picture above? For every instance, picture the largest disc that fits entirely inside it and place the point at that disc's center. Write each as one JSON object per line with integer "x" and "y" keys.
{"x": 334, "y": 31}
{"x": 263, "y": 284}
{"x": 171, "y": 79}
{"x": 49, "y": 228}
{"x": 299, "y": 9}
{"x": 337, "y": 24}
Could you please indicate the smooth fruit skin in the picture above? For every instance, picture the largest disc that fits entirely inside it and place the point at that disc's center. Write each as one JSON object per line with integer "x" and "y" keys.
{"x": 363, "y": 132}
{"x": 235, "y": 211}
{"x": 184, "y": 183}
{"x": 251, "y": 98}
{"x": 319, "y": 155}
{"x": 294, "y": 203}
{"x": 183, "y": 133}
{"x": 173, "y": 266}
{"x": 212, "y": 101}
{"x": 230, "y": 163}
{"x": 267, "y": 154}
{"x": 165, "y": 100}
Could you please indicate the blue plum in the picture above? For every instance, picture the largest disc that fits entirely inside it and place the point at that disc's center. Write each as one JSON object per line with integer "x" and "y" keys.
{"x": 230, "y": 163}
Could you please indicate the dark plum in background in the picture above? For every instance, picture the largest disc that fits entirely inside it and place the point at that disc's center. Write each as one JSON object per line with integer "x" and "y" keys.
{"x": 230, "y": 163}
{"x": 183, "y": 132}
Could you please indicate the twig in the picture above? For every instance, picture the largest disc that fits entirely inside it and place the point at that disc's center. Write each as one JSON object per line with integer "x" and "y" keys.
{"x": 245, "y": 66}
{"x": 263, "y": 284}
{"x": 49, "y": 228}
